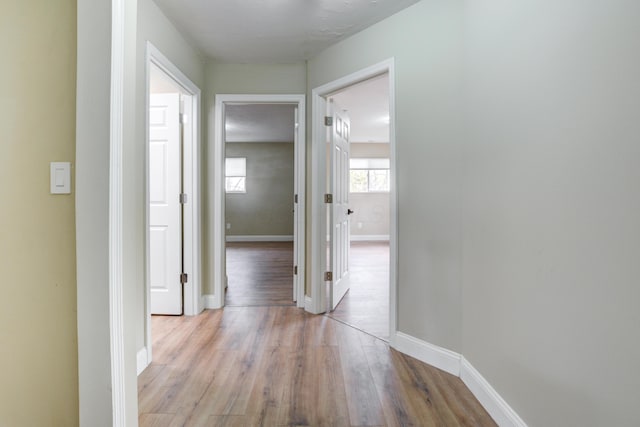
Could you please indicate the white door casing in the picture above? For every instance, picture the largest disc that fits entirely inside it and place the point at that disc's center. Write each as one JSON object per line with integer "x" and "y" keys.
{"x": 165, "y": 209}
{"x": 339, "y": 212}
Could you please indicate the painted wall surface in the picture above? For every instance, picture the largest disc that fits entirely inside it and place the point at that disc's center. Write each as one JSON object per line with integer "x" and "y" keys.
{"x": 519, "y": 212}
{"x": 153, "y": 26}
{"x": 552, "y": 207}
{"x": 224, "y": 78}
{"x": 38, "y": 335}
{"x": 426, "y": 41}
{"x": 371, "y": 216}
{"x": 266, "y": 209}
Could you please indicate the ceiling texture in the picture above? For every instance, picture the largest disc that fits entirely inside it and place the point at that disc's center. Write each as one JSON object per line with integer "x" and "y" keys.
{"x": 273, "y": 31}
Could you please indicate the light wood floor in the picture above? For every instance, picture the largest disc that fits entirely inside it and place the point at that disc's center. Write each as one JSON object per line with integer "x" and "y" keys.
{"x": 280, "y": 366}
{"x": 260, "y": 273}
{"x": 366, "y": 304}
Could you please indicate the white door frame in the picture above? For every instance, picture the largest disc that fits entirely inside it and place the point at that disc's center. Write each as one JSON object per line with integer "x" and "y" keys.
{"x": 219, "y": 267}
{"x": 191, "y": 185}
{"x": 317, "y": 302}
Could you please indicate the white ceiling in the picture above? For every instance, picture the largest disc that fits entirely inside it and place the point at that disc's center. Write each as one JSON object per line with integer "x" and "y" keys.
{"x": 273, "y": 31}
{"x": 367, "y": 105}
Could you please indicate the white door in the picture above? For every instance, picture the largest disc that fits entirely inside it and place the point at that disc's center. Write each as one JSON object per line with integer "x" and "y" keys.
{"x": 339, "y": 217}
{"x": 165, "y": 209}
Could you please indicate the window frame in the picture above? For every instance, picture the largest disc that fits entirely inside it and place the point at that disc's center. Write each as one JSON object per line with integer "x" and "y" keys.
{"x": 227, "y": 176}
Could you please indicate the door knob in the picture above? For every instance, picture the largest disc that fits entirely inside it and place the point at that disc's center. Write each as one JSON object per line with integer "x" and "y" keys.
{"x": 349, "y": 211}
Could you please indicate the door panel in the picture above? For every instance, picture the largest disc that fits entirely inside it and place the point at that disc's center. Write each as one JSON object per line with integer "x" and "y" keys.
{"x": 339, "y": 222}
{"x": 165, "y": 210}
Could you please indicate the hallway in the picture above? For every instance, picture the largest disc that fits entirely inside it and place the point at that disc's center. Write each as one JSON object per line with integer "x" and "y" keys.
{"x": 277, "y": 366}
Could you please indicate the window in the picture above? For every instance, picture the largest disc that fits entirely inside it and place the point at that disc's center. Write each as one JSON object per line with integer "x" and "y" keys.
{"x": 369, "y": 175}
{"x": 235, "y": 169}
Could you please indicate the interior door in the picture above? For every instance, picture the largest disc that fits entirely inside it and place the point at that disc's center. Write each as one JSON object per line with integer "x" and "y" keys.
{"x": 339, "y": 213}
{"x": 165, "y": 209}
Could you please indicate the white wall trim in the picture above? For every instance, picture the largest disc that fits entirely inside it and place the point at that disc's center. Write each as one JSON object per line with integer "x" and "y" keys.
{"x": 455, "y": 364}
{"x": 116, "y": 297}
{"x": 210, "y": 302}
{"x": 370, "y": 237}
{"x": 251, "y": 238}
{"x": 441, "y": 358}
{"x": 218, "y": 228}
{"x": 142, "y": 360}
{"x": 495, "y": 405}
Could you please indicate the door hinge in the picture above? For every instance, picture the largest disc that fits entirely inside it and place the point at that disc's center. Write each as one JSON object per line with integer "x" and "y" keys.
{"x": 328, "y": 276}
{"x": 184, "y": 119}
{"x": 295, "y": 198}
{"x": 295, "y": 270}
{"x": 183, "y": 198}
{"x": 328, "y": 198}
{"x": 184, "y": 278}
{"x": 328, "y": 121}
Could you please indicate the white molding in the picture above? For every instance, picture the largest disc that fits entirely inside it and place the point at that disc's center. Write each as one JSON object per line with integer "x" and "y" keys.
{"x": 210, "y": 302}
{"x": 142, "y": 360}
{"x": 369, "y": 237}
{"x": 116, "y": 297}
{"x": 455, "y": 364}
{"x": 495, "y": 405}
{"x": 441, "y": 358}
{"x": 250, "y": 238}
{"x": 218, "y": 229}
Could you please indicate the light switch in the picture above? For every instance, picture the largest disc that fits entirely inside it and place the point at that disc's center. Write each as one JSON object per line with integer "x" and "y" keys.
{"x": 60, "y": 178}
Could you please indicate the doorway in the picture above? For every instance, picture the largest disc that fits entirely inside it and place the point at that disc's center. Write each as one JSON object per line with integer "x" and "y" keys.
{"x": 172, "y": 219}
{"x": 366, "y": 304}
{"x": 259, "y": 204}
{"x": 245, "y": 161}
{"x": 373, "y": 230}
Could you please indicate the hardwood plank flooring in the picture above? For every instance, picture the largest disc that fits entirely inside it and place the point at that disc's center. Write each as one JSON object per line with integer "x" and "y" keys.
{"x": 280, "y": 366}
{"x": 259, "y": 273}
{"x": 366, "y": 304}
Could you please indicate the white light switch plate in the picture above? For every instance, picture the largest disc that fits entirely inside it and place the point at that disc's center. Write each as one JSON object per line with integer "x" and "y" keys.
{"x": 60, "y": 178}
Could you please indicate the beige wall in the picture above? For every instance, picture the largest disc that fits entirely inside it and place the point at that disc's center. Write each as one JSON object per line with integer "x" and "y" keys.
{"x": 371, "y": 216}
{"x": 519, "y": 212}
{"x": 38, "y": 340}
{"x": 266, "y": 209}
{"x": 224, "y": 78}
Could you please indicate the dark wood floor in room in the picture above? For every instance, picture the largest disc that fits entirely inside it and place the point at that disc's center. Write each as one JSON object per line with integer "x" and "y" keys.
{"x": 260, "y": 273}
{"x": 366, "y": 304}
{"x": 280, "y": 366}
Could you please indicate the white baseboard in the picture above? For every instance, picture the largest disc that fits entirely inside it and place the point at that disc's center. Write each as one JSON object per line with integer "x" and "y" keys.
{"x": 279, "y": 238}
{"x": 455, "y": 364}
{"x": 441, "y": 358}
{"x": 369, "y": 237}
{"x": 495, "y": 405}
{"x": 142, "y": 359}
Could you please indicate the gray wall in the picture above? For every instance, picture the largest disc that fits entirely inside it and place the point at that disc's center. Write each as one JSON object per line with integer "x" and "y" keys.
{"x": 371, "y": 210}
{"x": 267, "y": 207}
{"x": 519, "y": 210}
{"x": 236, "y": 79}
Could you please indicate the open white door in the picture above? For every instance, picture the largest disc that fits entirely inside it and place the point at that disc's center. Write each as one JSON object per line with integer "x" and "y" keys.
{"x": 339, "y": 216}
{"x": 165, "y": 209}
